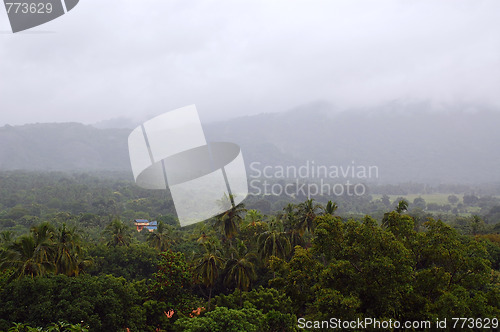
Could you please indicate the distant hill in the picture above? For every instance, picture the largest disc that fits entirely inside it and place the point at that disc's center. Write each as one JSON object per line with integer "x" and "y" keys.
{"x": 406, "y": 143}
{"x": 413, "y": 143}
{"x": 63, "y": 147}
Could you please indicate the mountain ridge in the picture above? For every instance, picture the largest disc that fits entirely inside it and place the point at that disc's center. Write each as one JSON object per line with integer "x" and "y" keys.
{"x": 424, "y": 146}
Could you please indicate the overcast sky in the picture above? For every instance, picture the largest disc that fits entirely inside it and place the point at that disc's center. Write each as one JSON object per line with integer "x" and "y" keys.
{"x": 121, "y": 58}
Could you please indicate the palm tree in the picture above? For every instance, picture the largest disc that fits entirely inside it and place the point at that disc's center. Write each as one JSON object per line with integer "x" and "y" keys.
{"x": 402, "y": 206}
{"x": 229, "y": 220}
{"x": 290, "y": 219}
{"x": 26, "y": 256}
{"x": 289, "y": 216}
{"x": 307, "y": 214}
{"x": 289, "y": 212}
{"x": 330, "y": 208}
{"x": 240, "y": 270}
{"x": 68, "y": 250}
{"x": 44, "y": 250}
{"x": 296, "y": 238}
{"x": 208, "y": 267}
{"x": 118, "y": 233}
{"x": 161, "y": 238}
{"x": 202, "y": 233}
{"x": 43, "y": 235}
{"x": 274, "y": 242}
{"x": 6, "y": 238}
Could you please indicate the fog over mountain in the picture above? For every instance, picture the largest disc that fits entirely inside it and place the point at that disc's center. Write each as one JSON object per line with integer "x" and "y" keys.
{"x": 417, "y": 142}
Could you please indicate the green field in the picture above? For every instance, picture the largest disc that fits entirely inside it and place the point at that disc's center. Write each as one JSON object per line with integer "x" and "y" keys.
{"x": 440, "y": 199}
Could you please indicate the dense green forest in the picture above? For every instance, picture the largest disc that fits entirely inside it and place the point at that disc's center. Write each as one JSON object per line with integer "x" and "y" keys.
{"x": 72, "y": 260}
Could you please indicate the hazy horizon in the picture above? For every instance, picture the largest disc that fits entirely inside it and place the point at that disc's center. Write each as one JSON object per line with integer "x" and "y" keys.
{"x": 424, "y": 107}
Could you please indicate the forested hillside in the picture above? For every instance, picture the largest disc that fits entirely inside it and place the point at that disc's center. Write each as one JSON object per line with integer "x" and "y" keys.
{"x": 67, "y": 146}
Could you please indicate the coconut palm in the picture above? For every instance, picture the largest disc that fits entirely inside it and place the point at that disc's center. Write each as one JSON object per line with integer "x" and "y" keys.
{"x": 44, "y": 250}
{"x": 6, "y": 238}
{"x": 27, "y": 258}
{"x": 296, "y": 238}
{"x": 289, "y": 216}
{"x": 290, "y": 219}
{"x": 67, "y": 251}
{"x": 330, "y": 208}
{"x": 274, "y": 242}
{"x": 229, "y": 221}
{"x": 43, "y": 235}
{"x": 289, "y": 211}
{"x": 306, "y": 215}
{"x": 208, "y": 267}
{"x": 202, "y": 233}
{"x": 402, "y": 206}
{"x": 161, "y": 238}
{"x": 240, "y": 270}
{"x": 117, "y": 233}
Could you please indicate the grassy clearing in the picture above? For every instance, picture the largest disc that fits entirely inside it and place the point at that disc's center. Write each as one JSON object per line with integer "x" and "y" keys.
{"x": 440, "y": 199}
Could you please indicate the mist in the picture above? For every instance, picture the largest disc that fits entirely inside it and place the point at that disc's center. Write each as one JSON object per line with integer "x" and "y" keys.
{"x": 125, "y": 60}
